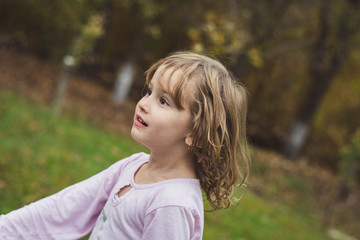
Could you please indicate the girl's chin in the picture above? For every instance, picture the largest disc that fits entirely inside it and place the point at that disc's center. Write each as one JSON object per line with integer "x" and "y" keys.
{"x": 133, "y": 135}
{"x": 137, "y": 138}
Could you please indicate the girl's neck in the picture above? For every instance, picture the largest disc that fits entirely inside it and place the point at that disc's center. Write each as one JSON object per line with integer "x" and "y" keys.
{"x": 162, "y": 166}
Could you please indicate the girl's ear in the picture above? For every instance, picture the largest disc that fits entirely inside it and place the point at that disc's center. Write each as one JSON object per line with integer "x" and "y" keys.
{"x": 188, "y": 140}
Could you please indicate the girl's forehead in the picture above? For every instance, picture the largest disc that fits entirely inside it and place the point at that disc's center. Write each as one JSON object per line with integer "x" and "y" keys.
{"x": 167, "y": 78}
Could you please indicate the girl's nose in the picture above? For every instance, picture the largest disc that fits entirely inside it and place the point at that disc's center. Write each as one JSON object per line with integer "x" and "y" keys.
{"x": 144, "y": 104}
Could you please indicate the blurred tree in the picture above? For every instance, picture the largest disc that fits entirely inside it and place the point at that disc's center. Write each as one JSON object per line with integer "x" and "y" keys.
{"x": 80, "y": 48}
{"x": 126, "y": 73}
{"x": 338, "y": 25}
{"x": 272, "y": 46}
{"x": 258, "y": 44}
{"x": 45, "y": 28}
{"x": 136, "y": 34}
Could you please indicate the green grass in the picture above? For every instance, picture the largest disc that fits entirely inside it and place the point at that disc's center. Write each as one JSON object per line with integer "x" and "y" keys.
{"x": 41, "y": 154}
{"x": 254, "y": 218}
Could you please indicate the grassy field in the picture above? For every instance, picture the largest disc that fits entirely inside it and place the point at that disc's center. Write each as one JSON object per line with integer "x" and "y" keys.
{"x": 41, "y": 154}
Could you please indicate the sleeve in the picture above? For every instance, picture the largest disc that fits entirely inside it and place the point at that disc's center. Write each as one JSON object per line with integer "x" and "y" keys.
{"x": 171, "y": 222}
{"x": 68, "y": 214}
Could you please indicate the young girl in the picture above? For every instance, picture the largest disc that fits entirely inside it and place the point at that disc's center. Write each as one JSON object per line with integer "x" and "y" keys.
{"x": 192, "y": 118}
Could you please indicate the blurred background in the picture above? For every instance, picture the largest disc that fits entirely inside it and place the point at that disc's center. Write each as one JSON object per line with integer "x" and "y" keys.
{"x": 72, "y": 71}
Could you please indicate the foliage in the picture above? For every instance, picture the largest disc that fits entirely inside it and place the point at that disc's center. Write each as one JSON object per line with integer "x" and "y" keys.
{"x": 46, "y": 28}
{"x": 337, "y": 119}
{"x": 158, "y": 27}
{"x": 84, "y": 43}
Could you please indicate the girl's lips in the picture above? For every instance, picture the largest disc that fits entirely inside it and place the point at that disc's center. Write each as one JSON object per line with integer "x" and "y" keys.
{"x": 139, "y": 121}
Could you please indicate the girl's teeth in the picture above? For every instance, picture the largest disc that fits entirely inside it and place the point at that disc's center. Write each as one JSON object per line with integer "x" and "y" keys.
{"x": 142, "y": 122}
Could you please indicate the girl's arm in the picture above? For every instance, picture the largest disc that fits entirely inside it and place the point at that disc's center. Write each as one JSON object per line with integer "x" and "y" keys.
{"x": 68, "y": 214}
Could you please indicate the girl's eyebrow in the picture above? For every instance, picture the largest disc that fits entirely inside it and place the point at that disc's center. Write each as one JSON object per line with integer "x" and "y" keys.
{"x": 163, "y": 90}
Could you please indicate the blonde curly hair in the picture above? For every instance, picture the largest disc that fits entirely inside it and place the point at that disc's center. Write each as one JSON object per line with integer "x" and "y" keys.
{"x": 218, "y": 129}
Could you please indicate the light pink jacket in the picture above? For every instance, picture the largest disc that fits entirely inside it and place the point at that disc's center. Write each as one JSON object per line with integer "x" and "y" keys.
{"x": 171, "y": 209}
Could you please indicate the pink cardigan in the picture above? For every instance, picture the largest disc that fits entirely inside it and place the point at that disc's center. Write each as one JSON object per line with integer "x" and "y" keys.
{"x": 170, "y": 209}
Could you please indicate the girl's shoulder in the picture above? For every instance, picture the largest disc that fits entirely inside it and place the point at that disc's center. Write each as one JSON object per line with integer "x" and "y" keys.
{"x": 121, "y": 166}
{"x": 137, "y": 157}
{"x": 133, "y": 160}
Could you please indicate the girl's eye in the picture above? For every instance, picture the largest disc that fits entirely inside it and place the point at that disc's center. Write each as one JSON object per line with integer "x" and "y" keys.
{"x": 163, "y": 101}
{"x": 148, "y": 92}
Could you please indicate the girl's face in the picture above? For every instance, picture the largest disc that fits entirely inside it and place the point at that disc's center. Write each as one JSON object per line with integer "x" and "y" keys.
{"x": 158, "y": 123}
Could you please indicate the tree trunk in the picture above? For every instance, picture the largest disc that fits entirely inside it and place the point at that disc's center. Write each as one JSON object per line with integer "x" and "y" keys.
{"x": 124, "y": 81}
{"x": 325, "y": 60}
{"x": 62, "y": 85}
{"x": 127, "y": 71}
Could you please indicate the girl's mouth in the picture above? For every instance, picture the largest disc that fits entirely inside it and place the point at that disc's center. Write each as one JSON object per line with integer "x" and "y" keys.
{"x": 139, "y": 119}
